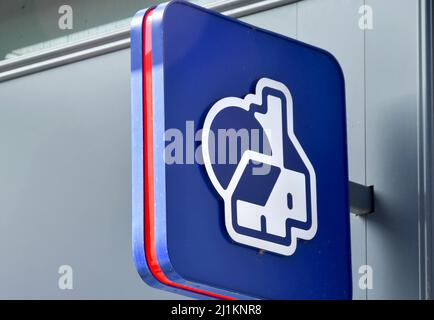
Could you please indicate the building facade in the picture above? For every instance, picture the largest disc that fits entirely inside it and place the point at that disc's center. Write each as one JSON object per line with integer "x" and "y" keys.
{"x": 65, "y": 196}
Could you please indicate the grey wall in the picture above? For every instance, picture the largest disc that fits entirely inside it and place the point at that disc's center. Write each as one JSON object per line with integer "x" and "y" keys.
{"x": 65, "y": 158}
{"x": 65, "y": 183}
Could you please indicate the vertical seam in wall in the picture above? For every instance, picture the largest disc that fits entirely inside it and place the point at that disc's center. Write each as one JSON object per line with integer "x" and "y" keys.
{"x": 420, "y": 156}
{"x": 429, "y": 236}
{"x": 365, "y": 142}
{"x": 430, "y": 70}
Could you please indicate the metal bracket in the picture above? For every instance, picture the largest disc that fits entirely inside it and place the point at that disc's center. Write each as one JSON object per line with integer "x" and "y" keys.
{"x": 361, "y": 199}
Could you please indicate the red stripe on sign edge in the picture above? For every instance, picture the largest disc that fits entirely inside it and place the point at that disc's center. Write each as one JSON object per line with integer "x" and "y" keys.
{"x": 149, "y": 237}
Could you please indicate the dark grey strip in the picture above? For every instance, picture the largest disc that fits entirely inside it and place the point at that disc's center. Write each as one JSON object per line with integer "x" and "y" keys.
{"x": 426, "y": 149}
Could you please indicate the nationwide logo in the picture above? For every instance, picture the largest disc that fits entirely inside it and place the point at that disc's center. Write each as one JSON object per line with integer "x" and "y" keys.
{"x": 283, "y": 206}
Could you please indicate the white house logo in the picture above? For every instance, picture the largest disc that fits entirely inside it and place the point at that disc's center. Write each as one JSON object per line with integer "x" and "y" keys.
{"x": 283, "y": 208}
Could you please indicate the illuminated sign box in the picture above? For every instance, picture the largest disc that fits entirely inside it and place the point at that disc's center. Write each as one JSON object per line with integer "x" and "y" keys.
{"x": 240, "y": 183}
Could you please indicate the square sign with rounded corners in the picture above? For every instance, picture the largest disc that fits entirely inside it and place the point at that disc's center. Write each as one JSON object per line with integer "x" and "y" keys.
{"x": 240, "y": 183}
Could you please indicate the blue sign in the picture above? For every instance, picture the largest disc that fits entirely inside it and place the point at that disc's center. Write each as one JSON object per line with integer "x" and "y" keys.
{"x": 239, "y": 160}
